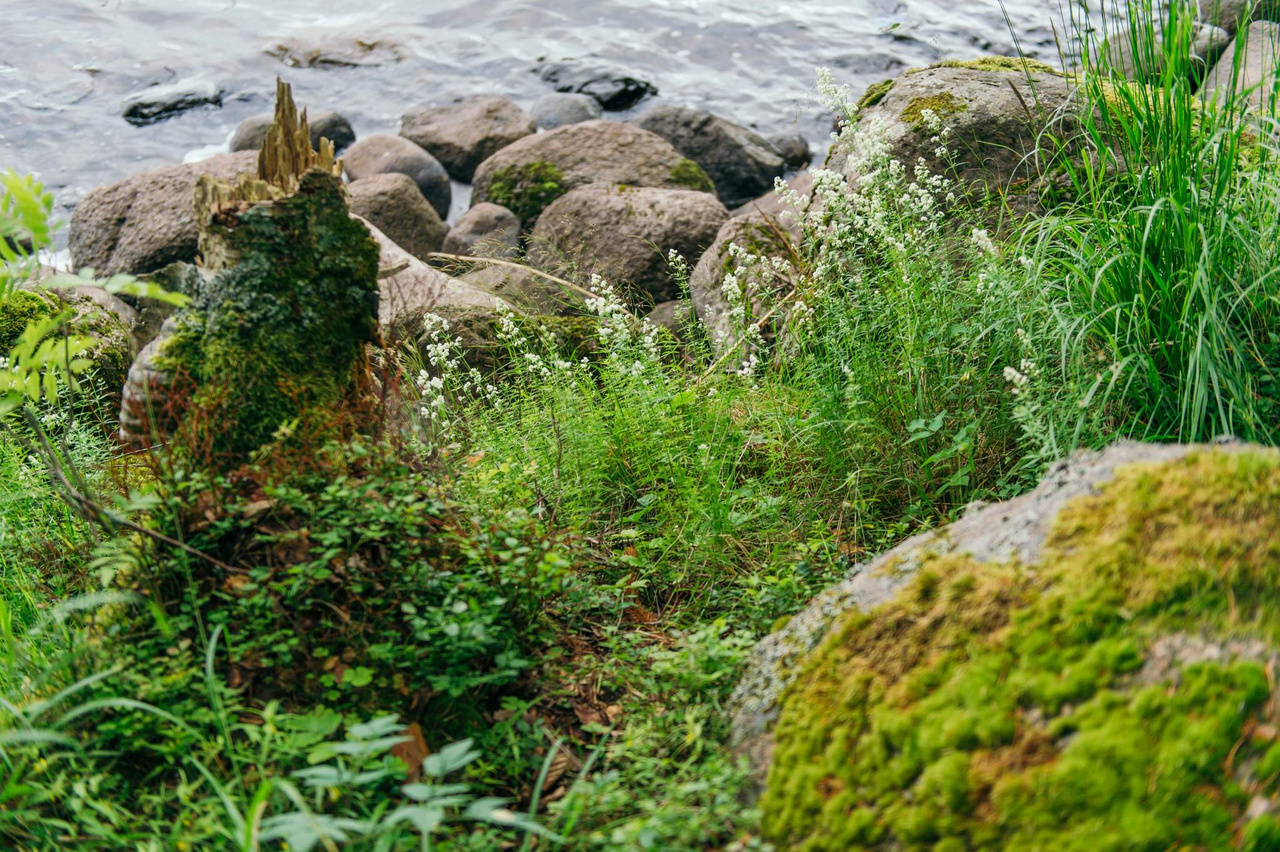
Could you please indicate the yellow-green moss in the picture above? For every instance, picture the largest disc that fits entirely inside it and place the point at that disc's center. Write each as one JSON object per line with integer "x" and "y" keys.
{"x": 689, "y": 174}
{"x": 526, "y": 190}
{"x": 1006, "y": 707}
{"x": 942, "y": 105}
{"x": 19, "y": 308}
{"x": 874, "y": 94}
{"x": 996, "y": 63}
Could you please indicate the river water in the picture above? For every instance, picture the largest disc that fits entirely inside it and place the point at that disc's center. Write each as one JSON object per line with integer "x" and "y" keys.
{"x": 65, "y": 65}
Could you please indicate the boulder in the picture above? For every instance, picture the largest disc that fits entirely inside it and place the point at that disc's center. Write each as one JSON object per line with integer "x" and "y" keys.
{"x": 624, "y": 234}
{"x": 465, "y": 134}
{"x": 157, "y": 103}
{"x": 741, "y": 162}
{"x": 327, "y": 125}
{"x": 995, "y": 115}
{"x": 613, "y": 88}
{"x": 1083, "y": 666}
{"x": 392, "y": 202}
{"x": 552, "y": 111}
{"x": 676, "y": 316}
{"x": 416, "y": 287}
{"x": 382, "y": 152}
{"x": 1208, "y": 43}
{"x": 1231, "y": 14}
{"x": 486, "y": 230}
{"x": 94, "y": 313}
{"x": 524, "y": 290}
{"x": 793, "y": 148}
{"x": 530, "y": 174}
{"x": 148, "y": 220}
{"x": 772, "y": 205}
{"x": 757, "y": 232}
{"x": 1257, "y": 70}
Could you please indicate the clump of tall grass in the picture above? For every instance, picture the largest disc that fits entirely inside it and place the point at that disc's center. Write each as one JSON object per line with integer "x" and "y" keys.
{"x": 1166, "y": 251}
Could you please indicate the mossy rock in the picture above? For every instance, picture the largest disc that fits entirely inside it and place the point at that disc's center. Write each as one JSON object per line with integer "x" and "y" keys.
{"x": 526, "y": 190}
{"x": 941, "y": 105}
{"x": 690, "y": 175}
{"x": 996, "y": 63}
{"x": 874, "y": 94}
{"x": 112, "y": 350}
{"x": 1097, "y": 676}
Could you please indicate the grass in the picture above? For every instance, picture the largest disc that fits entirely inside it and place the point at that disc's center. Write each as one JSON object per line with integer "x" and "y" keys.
{"x": 649, "y": 513}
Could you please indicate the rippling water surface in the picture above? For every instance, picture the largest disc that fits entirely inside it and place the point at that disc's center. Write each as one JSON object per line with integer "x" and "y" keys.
{"x": 65, "y": 65}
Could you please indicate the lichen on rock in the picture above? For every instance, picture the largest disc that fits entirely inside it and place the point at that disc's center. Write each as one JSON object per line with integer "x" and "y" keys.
{"x": 1114, "y": 692}
{"x": 941, "y": 105}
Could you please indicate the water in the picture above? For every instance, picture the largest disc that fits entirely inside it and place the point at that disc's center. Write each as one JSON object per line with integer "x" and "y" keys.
{"x": 65, "y": 65}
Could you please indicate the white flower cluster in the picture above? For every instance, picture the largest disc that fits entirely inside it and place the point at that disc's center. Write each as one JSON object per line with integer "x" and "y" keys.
{"x": 630, "y": 347}
{"x": 982, "y": 241}
{"x": 448, "y": 381}
{"x": 750, "y": 290}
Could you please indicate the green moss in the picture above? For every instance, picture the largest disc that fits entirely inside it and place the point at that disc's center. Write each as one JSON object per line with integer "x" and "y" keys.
{"x": 874, "y": 94}
{"x": 996, "y": 63}
{"x": 1011, "y": 707}
{"x": 20, "y": 308}
{"x": 528, "y": 189}
{"x": 689, "y": 174}
{"x": 941, "y": 105}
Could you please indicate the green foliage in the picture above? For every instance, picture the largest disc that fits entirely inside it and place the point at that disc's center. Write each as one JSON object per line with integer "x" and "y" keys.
{"x": 528, "y": 189}
{"x": 1008, "y": 707}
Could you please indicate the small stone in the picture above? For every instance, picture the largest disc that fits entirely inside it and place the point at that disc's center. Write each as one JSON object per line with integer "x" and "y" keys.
{"x": 383, "y": 153}
{"x": 486, "y": 230}
{"x": 465, "y": 134}
{"x": 157, "y": 103}
{"x": 552, "y": 111}
{"x": 615, "y": 90}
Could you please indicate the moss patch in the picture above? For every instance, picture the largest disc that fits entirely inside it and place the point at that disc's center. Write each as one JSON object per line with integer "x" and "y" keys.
{"x": 689, "y": 174}
{"x": 996, "y": 63}
{"x": 528, "y": 189}
{"x": 874, "y": 94}
{"x": 1011, "y": 707}
{"x": 941, "y": 105}
{"x": 20, "y": 308}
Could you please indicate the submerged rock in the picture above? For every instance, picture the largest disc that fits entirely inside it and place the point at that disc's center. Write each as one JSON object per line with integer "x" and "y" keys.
{"x": 392, "y": 202}
{"x": 382, "y": 153}
{"x": 740, "y": 162}
{"x": 463, "y": 135}
{"x": 612, "y": 88}
{"x": 486, "y": 230}
{"x": 160, "y": 102}
{"x": 146, "y": 221}
{"x": 252, "y": 132}
{"x": 530, "y": 174}
{"x": 624, "y": 234}
{"x": 1024, "y": 677}
{"x": 558, "y": 110}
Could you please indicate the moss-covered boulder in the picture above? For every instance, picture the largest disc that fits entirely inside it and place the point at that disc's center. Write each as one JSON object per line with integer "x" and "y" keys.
{"x": 1090, "y": 666}
{"x": 526, "y": 176}
{"x": 996, "y": 109}
{"x": 94, "y": 314}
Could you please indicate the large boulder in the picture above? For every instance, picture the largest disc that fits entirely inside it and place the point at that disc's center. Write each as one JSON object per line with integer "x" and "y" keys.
{"x": 530, "y": 174}
{"x": 996, "y": 109}
{"x": 624, "y": 234}
{"x": 558, "y": 110}
{"x": 794, "y": 149}
{"x": 465, "y": 134}
{"x": 486, "y": 230}
{"x": 741, "y": 163}
{"x": 148, "y": 220}
{"x": 92, "y": 312}
{"x": 382, "y": 153}
{"x": 1088, "y": 666}
{"x": 392, "y": 202}
{"x": 1256, "y": 72}
{"x": 411, "y": 286}
{"x": 252, "y": 132}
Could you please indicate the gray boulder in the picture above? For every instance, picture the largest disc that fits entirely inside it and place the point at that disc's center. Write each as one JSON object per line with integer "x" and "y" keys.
{"x": 465, "y": 134}
{"x": 1261, "y": 51}
{"x": 624, "y": 234}
{"x": 524, "y": 289}
{"x": 1230, "y": 15}
{"x": 252, "y": 132}
{"x": 741, "y": 162}
{"x": 613, "y": 88}
{"x": 486, "y": 230}
{"x": 1207, "y": 45}
{"x": 793, "y": 148}
{"x": 996, "y": 116}
{"x": 558, "y": 110}
{"x": 148, "y": 220}
{"x": 382, "y": 152}
{"x": 392, "y": 202}
{"x": 157, "y": 103}
{"x": 676, "y": 316}
{"x": 528, "y": 175}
